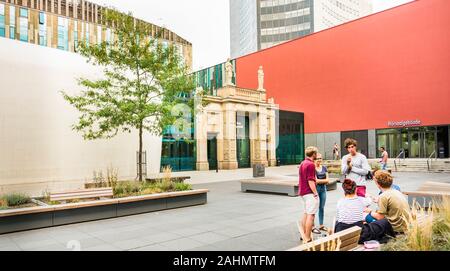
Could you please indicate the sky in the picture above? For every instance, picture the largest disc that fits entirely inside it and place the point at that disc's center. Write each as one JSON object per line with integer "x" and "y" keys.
{"x": 205, "y": 23}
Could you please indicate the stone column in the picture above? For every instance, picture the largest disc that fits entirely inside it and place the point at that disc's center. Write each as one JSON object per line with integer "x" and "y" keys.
{"x": 261, "y": 137}
{"x": 201, "y": 138}
{"x": 229, "y": 137}
{"x": 272, "y": 159}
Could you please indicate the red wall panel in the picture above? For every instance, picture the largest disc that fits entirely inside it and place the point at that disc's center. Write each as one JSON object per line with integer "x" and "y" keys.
{"x": 390, "y": 66}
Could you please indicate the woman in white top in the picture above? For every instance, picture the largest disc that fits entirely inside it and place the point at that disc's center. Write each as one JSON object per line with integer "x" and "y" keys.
{"x": 350, "y": 209}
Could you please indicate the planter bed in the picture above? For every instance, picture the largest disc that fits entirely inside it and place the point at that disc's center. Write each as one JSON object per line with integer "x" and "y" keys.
{"x": 14, "y": 220}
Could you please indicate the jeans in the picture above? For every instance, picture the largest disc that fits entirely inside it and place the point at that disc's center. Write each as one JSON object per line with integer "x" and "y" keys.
{"x": 322, "y": 191}
{"x": 383, "y": 166}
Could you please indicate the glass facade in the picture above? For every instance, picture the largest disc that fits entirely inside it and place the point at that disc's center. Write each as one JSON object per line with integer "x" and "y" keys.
{"x": 283, "y": 20}
{"x": 75, "y": 35}
{"x": 177, "y": 152}
{"x": 291, "y": 138}
{"x": 42, "y": 29}
{"x": 63, "y": 33}
{"x": 2, "y": 20}
{"x": 212, "y": 78}
{"x": 12, "y": 22}
{"x": 415, "y": 142}
{"x": 23, "y": 24}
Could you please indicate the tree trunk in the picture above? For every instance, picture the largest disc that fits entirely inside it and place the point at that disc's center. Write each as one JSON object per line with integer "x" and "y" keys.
{"x": 140, "y": 154}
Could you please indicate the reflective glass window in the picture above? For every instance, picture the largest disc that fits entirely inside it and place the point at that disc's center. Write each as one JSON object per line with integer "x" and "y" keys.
{"x": 42, "y": 29}
{"x": 63, "y": 34}
{"x": 12, "y": 22}
{"x": 2, "y": 20}
{"x": 23, "y": 27}
{"x": 75, "y": 35}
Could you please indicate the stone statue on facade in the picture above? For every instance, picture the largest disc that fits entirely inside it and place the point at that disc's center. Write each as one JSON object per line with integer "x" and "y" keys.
{"x": 228, "y": 73}
{"x": 260, "y": 78}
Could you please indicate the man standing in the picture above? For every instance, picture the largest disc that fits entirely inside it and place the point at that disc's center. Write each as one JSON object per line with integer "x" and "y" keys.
{"x": 308, "y": 193}
{"x": 355, "y": 166}
{"x": 336, "y": 151}
{"x": 384, "y": 158}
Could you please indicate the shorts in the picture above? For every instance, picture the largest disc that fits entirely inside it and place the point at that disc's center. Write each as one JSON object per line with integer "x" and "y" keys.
{"x": 310, "y": 204}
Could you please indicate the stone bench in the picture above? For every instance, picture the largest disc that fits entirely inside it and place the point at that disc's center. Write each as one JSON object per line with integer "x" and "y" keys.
{"x": 278, "y": 185}
{"x": 82, "y": 194}
{"x": 428, "y": 193}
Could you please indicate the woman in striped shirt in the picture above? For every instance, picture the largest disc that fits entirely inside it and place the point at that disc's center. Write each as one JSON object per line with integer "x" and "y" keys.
{"x": 350, "y": 210}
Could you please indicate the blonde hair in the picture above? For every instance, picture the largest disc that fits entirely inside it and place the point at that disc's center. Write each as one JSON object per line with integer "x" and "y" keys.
{"x": 310, "y": 151}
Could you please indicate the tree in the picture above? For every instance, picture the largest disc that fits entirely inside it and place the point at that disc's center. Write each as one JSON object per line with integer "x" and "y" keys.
{"x": 145, "y": 78}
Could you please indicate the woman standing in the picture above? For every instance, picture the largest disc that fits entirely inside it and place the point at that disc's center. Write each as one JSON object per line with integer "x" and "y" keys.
{"x": 322, "y": 181}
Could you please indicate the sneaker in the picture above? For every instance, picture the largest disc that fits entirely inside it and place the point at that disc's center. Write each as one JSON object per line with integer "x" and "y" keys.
{"x": 316, "y": 231}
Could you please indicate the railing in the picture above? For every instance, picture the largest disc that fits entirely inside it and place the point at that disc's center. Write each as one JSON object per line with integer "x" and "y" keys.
{"x": 429, "y": 160}
{"x": 402, "y": 153}
{"x": 248, "y": 93}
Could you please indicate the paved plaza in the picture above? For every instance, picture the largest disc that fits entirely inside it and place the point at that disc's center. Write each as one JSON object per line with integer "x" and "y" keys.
{"x": 231, "y": 220}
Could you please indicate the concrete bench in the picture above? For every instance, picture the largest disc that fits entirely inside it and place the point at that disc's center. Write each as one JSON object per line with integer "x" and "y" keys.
{"x": 278, "y": 186}
{"x": 428, "y": 193}
{"x": 82, "y": 194}
{"x": 342, "y": 241}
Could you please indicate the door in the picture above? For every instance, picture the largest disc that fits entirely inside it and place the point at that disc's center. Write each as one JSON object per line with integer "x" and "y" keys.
{"x": 243, "y": 140}
{"x": 212, "y": 152}
{"x": 422, "y": 144}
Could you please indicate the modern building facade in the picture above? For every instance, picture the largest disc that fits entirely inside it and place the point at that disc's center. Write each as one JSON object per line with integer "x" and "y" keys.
{"x": 39, "y": 149}
{"x": 260, "y": 24}
{"x": 63, "y": 24}
{"x": 329, "y": 13}
{"x": 384, "y": 81}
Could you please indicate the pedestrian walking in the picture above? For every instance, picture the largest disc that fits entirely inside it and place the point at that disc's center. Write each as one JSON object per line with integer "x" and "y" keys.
{"x": 384, "y": 158}
{"x": 336, "y": 151}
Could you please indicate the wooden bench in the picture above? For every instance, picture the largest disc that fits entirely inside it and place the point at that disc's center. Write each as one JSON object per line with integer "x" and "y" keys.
{"x": 345, "y": 240}
{"x": 82, "y": 194}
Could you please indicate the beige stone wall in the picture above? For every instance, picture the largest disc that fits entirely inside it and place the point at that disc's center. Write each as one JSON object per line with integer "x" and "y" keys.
{"x": 38, "y": 149}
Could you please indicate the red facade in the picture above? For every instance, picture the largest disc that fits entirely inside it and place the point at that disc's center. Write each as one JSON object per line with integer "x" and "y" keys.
{"x": 392, "y": 66}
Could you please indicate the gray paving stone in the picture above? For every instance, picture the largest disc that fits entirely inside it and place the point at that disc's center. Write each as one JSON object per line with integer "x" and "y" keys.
{"x": 231, "y": 220}
{"x": 161, "y": 237}
{"x": 156, "y": 247}
{"x": 209, "y": 237}
{"x": 182, "y": 244}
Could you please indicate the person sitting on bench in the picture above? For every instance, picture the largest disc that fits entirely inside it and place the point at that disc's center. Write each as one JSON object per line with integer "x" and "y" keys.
{"x": 350, "y": 209}
{"x": 392, "y": 214}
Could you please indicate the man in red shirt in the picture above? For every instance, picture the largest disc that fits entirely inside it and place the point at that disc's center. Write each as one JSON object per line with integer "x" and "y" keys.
{"x": 308, "y": 193}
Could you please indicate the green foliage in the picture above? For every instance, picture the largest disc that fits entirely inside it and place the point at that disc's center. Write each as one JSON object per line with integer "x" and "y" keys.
{"x": 145, "y": 79}
{"x": 182, "y": 187}
{"x": 429, "y": 230}
{"x": 3, "y": 204}
{"x": 16, "y": 199}
{"x": 134, "y": 188}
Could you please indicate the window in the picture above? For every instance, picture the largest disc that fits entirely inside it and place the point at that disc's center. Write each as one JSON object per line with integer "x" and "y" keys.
{"x": 2, "y": 20}
{"x": 86, "y": 27}
{"x": 75, "y": 35}
{"x": 99, "y": 34}
{"x": 12, "y": 22}
{"x": 63, "y": 34}
{"x": 42, "y": 29}
{"x": 23, "y": 35}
